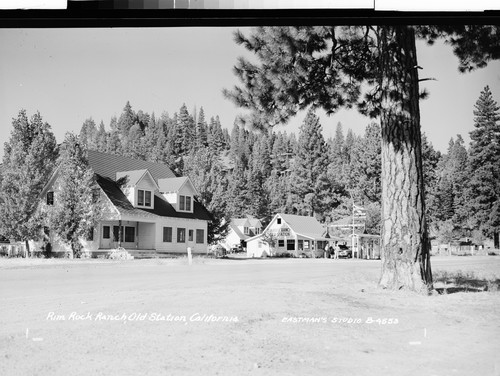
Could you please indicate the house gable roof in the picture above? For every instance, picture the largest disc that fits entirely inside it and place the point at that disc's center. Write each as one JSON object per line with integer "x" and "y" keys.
{"x": 162, "y": 208}
{"x": 118, "y": 198}
{"x": 172, "y": 184}
{"x": 135, "y": 176}
{"x": 107, "y": 165}
{"x": 307, "y": 226}
{"x": 240, "y": 222}
{"x": 254, "y": 222}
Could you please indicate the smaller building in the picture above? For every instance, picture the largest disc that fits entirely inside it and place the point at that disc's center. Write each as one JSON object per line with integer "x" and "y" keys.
{"x": 289, "y": 234}
{"x": 363, "y": 245}
{"x": 241, "y": 229}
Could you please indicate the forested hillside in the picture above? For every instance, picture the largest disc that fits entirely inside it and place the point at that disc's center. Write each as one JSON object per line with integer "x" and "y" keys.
{"x": 262, "y": 173}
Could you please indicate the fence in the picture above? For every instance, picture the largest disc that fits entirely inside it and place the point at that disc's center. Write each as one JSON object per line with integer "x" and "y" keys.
{"x": 457, "y": 250}
{"x": 14, "y": 250}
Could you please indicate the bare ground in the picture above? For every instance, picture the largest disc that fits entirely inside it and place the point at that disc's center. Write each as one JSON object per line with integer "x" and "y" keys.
{"x": 292, "y": 318}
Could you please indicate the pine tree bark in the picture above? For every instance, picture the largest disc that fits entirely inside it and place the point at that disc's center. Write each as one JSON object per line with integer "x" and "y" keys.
{"x": 405, "y": 242}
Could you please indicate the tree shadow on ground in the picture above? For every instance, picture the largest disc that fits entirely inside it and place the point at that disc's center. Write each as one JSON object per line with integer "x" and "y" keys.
{"x": 450, "y": 283}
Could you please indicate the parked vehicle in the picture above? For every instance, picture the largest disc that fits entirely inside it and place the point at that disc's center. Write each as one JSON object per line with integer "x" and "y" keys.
{"x": 345, "y": 251}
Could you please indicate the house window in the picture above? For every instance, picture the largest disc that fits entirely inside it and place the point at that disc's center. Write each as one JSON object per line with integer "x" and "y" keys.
{"x": 290, "y": 245}
{"x": 129, "y": 234}
{"x": 185, "y": 203}
{"x": 143, "y": 198}
{"x": 117, "y": 233}
{"x": 50, "y": 198}
{"x": 147, "y": 198}
{"x": 105, "y": 232}
{"x": 181, "y": 235}
{"x": 246, "y": 230}
{"x": 200, "y": 236}
{"x": 167, "y": 234}
{"x": 281, "y": 243}
{"x": 190, "y": 235}
{"x": 279, "y": 221}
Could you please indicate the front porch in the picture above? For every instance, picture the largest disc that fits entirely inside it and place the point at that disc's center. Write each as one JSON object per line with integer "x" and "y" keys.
{"x": 131, "y": 235}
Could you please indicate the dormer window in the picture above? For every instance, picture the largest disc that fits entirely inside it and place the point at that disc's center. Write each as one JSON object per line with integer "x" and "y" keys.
{"x": 144, "y": 198}
{"x": 185, "y": 203}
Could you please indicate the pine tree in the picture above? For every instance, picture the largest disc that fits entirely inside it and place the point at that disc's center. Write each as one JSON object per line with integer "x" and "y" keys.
{"x": 88, "y": 134}
{"x": 114, "y": 145}
{"x": 335, "y": 169}
{"x": 430, "y": 161}
{"x": 185, "y": 131}
{"x": 367, "y": 166}
{"x": 484, "y": 165}
{"x": 205, "y": 171}
{"x": 75, "y": 211}
{"x": 126, "y": 120}
{"x": 135, "y": 147}
{"x": 459, "y": 177}
{"x": 216, "y": 140}
{"x": 309, "y": 167}
{"x": 201, "y": 130}
{"x": 101, "y": 138}
{"x": 28, "y": 160}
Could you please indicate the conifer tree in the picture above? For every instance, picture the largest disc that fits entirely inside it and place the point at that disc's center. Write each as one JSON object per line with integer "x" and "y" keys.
{"x": 201, "y": 130}
{"x": 75, "y": 211}
{"x": 430, "y": 161}
{"x": 28, "y": 160}
{"x": 101, "y": 138}
{"x": 335, "y": 169}
{"x": 309, "y": 167}
{"x": 484, "y": 166}
{"x": 185, "y": 131}
{"x": 367, "y": 166}
{"x": 126, "y": 120}
{"x": 88, "y": 134}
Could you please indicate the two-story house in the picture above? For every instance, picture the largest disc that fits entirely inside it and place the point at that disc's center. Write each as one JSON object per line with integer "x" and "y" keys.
{"x": 152, "y": 210}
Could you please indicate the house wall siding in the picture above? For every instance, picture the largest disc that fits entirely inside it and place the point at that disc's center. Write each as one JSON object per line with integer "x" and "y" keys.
{"x": 174, "y": 246}
{"x": 146, "y": 235}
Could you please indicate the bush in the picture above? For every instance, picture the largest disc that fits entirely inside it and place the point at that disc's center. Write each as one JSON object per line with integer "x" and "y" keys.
{"x": 119, "y": 254}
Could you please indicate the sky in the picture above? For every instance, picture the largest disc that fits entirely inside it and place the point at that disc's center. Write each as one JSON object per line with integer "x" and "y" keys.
{"x": 69, "y": 75}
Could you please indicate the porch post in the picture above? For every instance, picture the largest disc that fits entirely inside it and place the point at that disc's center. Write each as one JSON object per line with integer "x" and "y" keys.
{"x": 119, "y": 233}
{"x": 137, "y": 236}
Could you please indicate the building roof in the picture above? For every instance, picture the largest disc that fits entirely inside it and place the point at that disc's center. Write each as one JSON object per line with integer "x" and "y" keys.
{"x": 133, "y": 176}
{"x": 253, "y": 222}
{"x": 118, "y": 198}
{"x": 237, "y": 231}
{"x": 162, "y": 208}
{"x": 172, "y": 184}
{"x": 306, "y": 226}
{"x": 108, "y": 165}
{"x": 242, "y": 222}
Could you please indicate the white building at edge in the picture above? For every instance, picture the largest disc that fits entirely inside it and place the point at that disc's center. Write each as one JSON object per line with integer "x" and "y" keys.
{"x": 294, "y": 234}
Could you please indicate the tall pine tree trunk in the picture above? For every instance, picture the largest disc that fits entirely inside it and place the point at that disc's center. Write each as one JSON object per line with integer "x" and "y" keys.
{"x": 405, "y": 243}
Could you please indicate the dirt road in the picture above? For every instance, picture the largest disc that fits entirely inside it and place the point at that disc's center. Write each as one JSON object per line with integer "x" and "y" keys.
{"x": 245, "y": 317}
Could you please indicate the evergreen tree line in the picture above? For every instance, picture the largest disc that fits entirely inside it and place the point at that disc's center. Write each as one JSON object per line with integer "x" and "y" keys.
{"x": 262, "y": 173}
{"x": 463, "y": 185}
{"x": 256, "y": 173}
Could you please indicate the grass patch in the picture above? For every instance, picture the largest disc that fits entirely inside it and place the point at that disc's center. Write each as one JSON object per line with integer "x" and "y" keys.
{"x": 460, "y": 281}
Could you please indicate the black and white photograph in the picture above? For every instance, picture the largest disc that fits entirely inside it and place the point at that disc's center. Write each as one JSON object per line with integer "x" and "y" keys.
{"x": 318, "y": 196}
